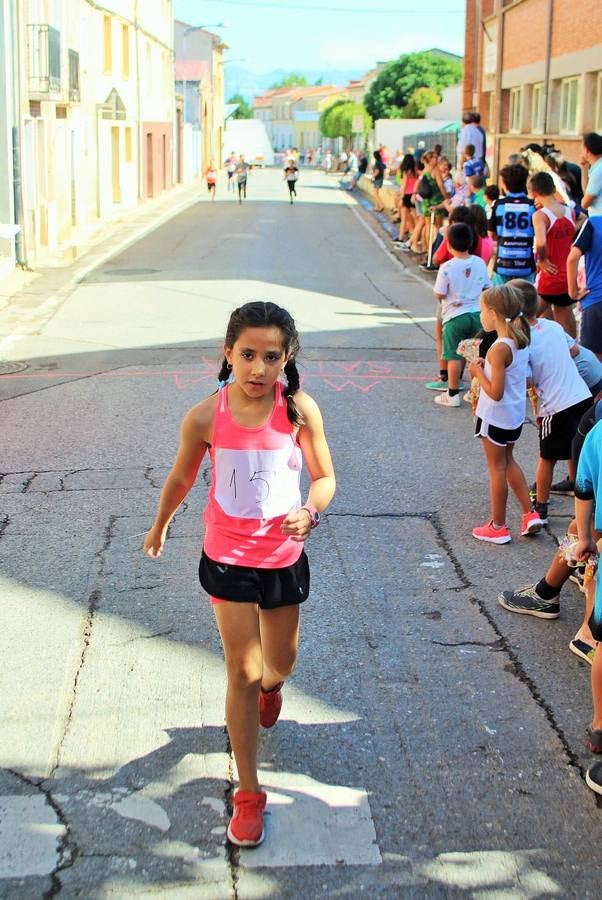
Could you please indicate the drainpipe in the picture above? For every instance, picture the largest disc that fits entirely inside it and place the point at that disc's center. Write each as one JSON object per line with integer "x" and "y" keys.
{"x": 139, "y": 104}
{"x": 498, "y": 85}
{"x": 20, "y": 252}
{"x": 546, "y": 77}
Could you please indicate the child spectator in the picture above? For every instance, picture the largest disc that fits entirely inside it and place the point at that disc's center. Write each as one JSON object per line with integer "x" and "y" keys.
{"x": 554, "y": 226}
{"x": 460, "y": 195}
{"x": 445, "y": 169}
{"x": 563, "y": 396}
{"x": 542, "y": 599}
{"x": 409, "y": 179}
{"x": 476, "y": 190}
{"x": 459, "y": 285}
{"x": 502, "y": 376}
{"x": 478, "y": 223}
{"x": 470, "y": 164}
{"x": 588, "y": 244}
{"x": 442, "y": 255}
{"x": 588, "y": 492}
{"x": 511, "y": 225}
{"x": 492, "y": 193}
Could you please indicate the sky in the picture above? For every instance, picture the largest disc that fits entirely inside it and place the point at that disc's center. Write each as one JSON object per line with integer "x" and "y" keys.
{"x": 327, "y": 34}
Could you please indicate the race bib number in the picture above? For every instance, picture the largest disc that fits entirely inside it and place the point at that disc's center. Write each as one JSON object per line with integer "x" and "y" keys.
{"x": 258, "y": 484}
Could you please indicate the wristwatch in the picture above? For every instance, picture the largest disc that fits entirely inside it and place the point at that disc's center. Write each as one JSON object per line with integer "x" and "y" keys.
{"x": 314, "y": 515}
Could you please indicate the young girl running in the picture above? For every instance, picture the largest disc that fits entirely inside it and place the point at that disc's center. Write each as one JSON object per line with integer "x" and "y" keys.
{"x": 256, "y": 429}
{"x": 501, "y": 409}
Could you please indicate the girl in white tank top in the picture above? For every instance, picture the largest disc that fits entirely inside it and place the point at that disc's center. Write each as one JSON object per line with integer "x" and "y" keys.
{"x": 501, "y": 409}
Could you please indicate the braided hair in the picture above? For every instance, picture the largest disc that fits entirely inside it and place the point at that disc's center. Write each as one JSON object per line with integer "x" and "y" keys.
{"x": 264, "y": 314}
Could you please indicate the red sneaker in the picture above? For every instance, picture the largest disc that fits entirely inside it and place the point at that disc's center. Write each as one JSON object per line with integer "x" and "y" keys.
{"x": 530, "y": 523}
{"x": 270, "y": 704}
{"x": 246, "y": 825}
{"x": 487, "y": 532}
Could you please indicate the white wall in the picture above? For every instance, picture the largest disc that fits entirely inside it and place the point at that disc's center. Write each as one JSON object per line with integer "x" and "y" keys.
{"x": 450, "y": 106}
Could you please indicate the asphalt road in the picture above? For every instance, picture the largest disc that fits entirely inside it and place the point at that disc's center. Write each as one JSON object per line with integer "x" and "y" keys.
{"x": 431, "y": 744}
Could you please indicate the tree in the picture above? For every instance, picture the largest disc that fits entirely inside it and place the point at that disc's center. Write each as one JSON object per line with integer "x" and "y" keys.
{"x": 337, "y": 120}
{"x": 292, "y": 80}
{"x": 244, "y": 111}
{"x": 391, "y": 90}
{"x": 327, "y": 119}
{"x": 419, "y": 102}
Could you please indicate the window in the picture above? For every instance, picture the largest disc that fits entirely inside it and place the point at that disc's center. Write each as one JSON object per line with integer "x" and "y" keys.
{"x": 108, "y": 45}
{"x": 125, "y": 51}
{"x": 599, "y": 103}
{"x": 514, "y": 114}
{"x": 128, "y": 144}
{"x": 537, "y": 108}
{"x": 569, "y": 104}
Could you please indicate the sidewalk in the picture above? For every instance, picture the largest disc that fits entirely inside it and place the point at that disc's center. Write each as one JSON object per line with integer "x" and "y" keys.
{"x": 29, "y": 299}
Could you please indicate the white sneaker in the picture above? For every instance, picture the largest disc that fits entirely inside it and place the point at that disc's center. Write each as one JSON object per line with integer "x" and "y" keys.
{"x": 446, "y": 400}
{"x": 467, "y": 397}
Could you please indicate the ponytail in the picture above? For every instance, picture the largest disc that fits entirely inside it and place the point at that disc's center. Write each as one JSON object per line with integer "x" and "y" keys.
{"x": 292, "y": 386}
{"x": 520, "y": 331}
{"x": 224, "y": 373}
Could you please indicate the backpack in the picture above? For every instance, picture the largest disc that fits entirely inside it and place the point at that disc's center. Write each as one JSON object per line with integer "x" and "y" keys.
{"x": 425, "y": 187}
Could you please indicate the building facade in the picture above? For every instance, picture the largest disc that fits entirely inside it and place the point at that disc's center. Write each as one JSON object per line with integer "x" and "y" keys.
{"x": 93, "y": 108}
{"x": 533, "y": 69}
{"x": 200, "y": 80}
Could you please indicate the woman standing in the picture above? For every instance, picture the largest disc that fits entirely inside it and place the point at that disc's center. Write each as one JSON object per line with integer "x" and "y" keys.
{"x": 378, "y": 176}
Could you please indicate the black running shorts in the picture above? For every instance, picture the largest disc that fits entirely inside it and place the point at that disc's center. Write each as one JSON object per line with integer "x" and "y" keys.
{"x": 269, "y": 588}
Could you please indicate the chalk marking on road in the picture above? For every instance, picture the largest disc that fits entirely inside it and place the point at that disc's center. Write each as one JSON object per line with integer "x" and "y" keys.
{"x": 309, "y": 823}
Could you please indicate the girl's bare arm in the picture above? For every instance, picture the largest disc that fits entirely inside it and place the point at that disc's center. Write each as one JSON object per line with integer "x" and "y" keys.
{"x": 194, "y": 440}
{"x": 316, "y": 454}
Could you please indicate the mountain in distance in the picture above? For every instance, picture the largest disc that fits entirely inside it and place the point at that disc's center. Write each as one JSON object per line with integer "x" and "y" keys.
{"x": 240, "y": 81}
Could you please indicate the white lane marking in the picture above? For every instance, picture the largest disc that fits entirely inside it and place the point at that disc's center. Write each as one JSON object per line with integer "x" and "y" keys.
{"x": 29, "y": 836}
{"x": 313, "y": 824}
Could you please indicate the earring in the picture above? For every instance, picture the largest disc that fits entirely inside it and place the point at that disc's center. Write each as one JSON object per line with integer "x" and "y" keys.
{"x": 229, "y": 367}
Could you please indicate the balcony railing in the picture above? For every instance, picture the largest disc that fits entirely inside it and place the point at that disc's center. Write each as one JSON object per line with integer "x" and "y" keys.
{"x": 73, "y": 76}
{"x": 44, "y": 59}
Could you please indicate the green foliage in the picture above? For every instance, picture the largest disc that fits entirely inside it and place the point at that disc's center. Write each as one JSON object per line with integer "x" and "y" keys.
{"x": 337, "y": 119}
{"x": 244, "y": 111}
{"x": 391, "y": 91}
{"x": 419, "y": 102}
{"x": 319, "y": 81}
{"x": 327, "y": 119}
{"x": 292, "y": 80}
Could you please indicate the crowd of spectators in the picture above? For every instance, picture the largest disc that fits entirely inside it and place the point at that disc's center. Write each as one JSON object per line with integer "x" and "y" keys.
{"x": 519, "y": 310}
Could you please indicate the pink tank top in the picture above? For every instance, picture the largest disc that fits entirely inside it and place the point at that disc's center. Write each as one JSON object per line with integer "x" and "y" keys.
{"x": 255, "y": 483}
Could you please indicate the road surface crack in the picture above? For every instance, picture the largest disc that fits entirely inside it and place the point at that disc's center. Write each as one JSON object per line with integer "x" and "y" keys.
{"x": 4, "y": 523}
{"x": 28, "y": 482}
{"x": 493, "y": 645}
{"x": 67, "y": 849}
{"x": 516, "y": 668}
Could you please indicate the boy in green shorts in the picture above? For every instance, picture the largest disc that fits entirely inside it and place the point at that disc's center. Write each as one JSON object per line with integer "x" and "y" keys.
{"x": 459, "y": 284}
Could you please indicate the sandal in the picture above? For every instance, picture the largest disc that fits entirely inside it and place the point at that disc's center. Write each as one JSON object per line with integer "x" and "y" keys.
{"x": 594, "y": 739}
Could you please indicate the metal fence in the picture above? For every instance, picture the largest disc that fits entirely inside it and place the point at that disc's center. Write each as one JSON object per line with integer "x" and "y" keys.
{"x": 447, "y": 139}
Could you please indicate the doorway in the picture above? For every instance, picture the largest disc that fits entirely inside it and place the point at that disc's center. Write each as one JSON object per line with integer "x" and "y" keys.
{"x": 149, "y": 165}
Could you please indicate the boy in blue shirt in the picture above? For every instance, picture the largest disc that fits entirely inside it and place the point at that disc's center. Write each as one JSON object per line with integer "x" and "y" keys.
{"x": 511, "y": 225}
{"x": 588, "y": 490}
{"x": 588, "y": 243}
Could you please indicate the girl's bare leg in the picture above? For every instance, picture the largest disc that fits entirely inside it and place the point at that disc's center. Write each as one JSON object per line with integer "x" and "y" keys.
{"x": 239, "y": 629}
{"x": 439, "y": 341}
{"x": 498, "y": 486}
{"x": 597, "y": 689}
{"x": 279, "y": 629}
{"x": 564, "y": 316}
{"x": 517, "y": 481}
